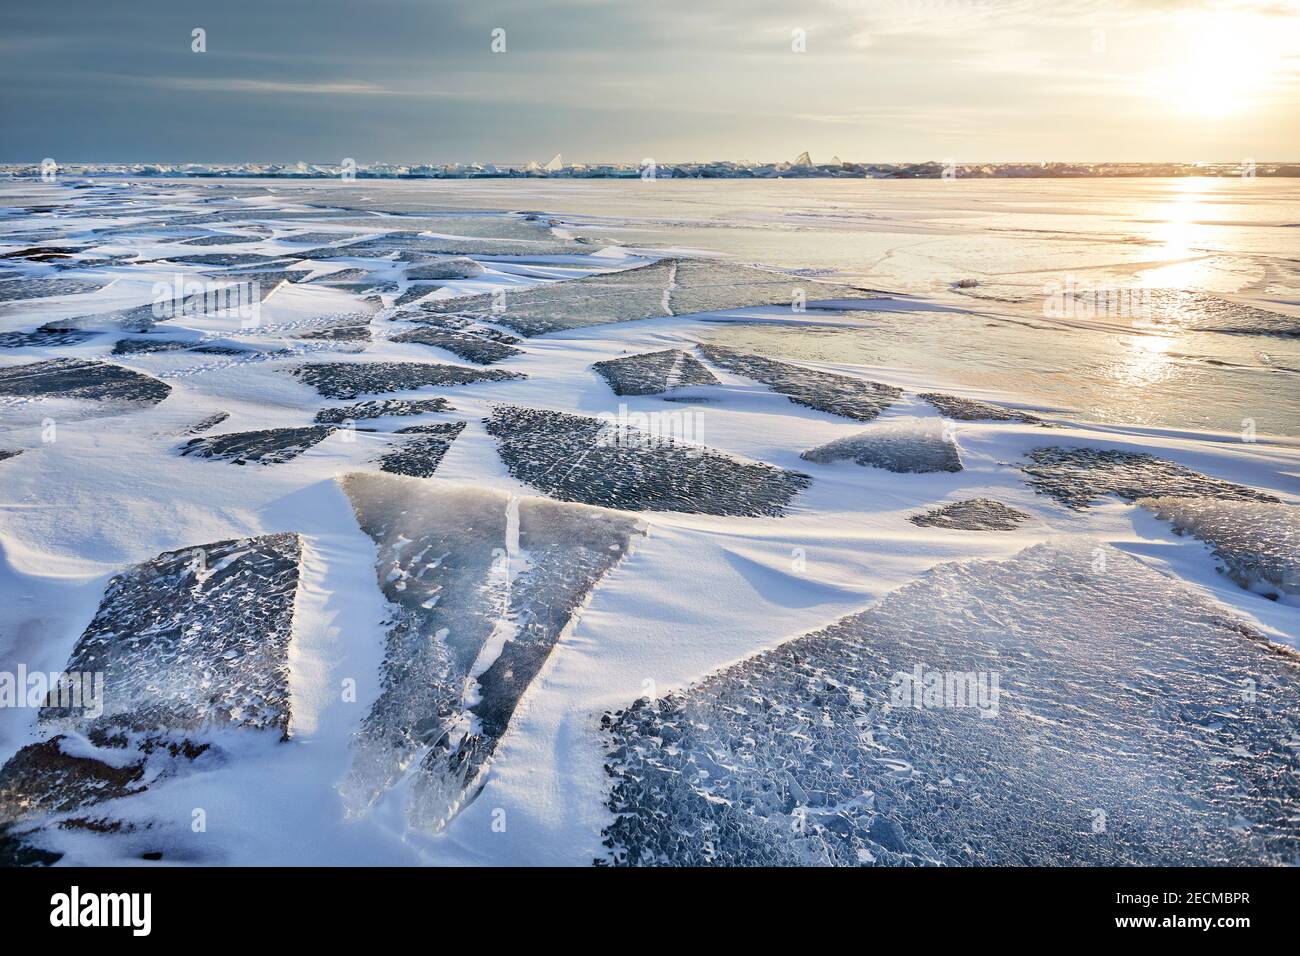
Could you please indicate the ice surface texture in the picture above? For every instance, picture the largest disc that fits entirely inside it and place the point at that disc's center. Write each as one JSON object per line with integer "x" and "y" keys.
{"x": 452, "y": 268}
{"x": 81, "y": 379}
{"x": 920, "y": 447}
{"x": 465, "y": 569}
{"x": 1110, "y": 743}
{"x": 969, "y": 410}
{"x": 380, "y": 408}
{"x": 15, "y": 290}
{"x": 824, "y": 391}
{"x": 667, "y": 287}
{"x": 194, "y": 638}
{"x": 575, "y": 458}
{"x": 1203, "y": 312}
{"x": 653, "y": 373}
{"x": 974, "y": 514}
{"x": 270, "y": 446}
{"x": 52, "y": 337}
{"x": 382, "y": 247}
{"x": 1077, "y": 477}
{"x": 467, "y": 345}
{"x": 353, "y": 379}
{"x": 1258, "y": 542}
{"x": 43, "y": 778}
{"x": 420, "y": 456}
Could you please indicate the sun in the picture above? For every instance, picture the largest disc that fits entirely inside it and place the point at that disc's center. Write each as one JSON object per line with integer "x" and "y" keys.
{"x": 1217, "y": 65}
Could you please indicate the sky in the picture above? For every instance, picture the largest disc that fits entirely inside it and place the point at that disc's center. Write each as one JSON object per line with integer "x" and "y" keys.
{"x": 409, "y": 81}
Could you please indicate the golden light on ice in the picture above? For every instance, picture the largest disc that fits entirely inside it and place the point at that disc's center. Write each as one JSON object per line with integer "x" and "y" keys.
{"x": 1179, "y": 231}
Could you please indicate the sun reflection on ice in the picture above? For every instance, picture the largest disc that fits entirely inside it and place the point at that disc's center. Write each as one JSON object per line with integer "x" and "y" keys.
{"x": 1145, "y": 361}
{"x": 1181, "y": 233}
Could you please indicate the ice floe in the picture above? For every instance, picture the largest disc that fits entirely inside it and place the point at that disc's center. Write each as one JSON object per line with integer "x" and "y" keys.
{"x": 481, "y": 585}
{"x": 919, "y": 446}
{"x": 666, "y": 287}
{"x": 83, "y": 379}
{"x": 973, "y": 514}
{"x": 466, "y": 345}
{"x": 1025, "y": 712}
{"x": 1258, "y": 542}
{"x": 270, "y": 446}
{"x": 825, "y": 391}
{"x": 381, "y": 408}
{"x": 653, "y": 373}
{"x": 420, "y": 455}
{"x": 1078, "y": 477}
{"x": 354, "y": 379}
{"x": 597, "y": 462}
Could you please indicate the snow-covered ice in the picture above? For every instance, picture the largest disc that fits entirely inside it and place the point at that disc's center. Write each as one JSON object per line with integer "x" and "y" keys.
{"x": 524, "y": 469}
{"x": 1257, "y": 541}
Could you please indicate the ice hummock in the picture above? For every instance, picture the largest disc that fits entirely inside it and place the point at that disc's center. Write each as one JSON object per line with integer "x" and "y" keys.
{"x": 1257, "y": 541}
{"x": 480, "y": 585}
{"x": 1106, "y": 742}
